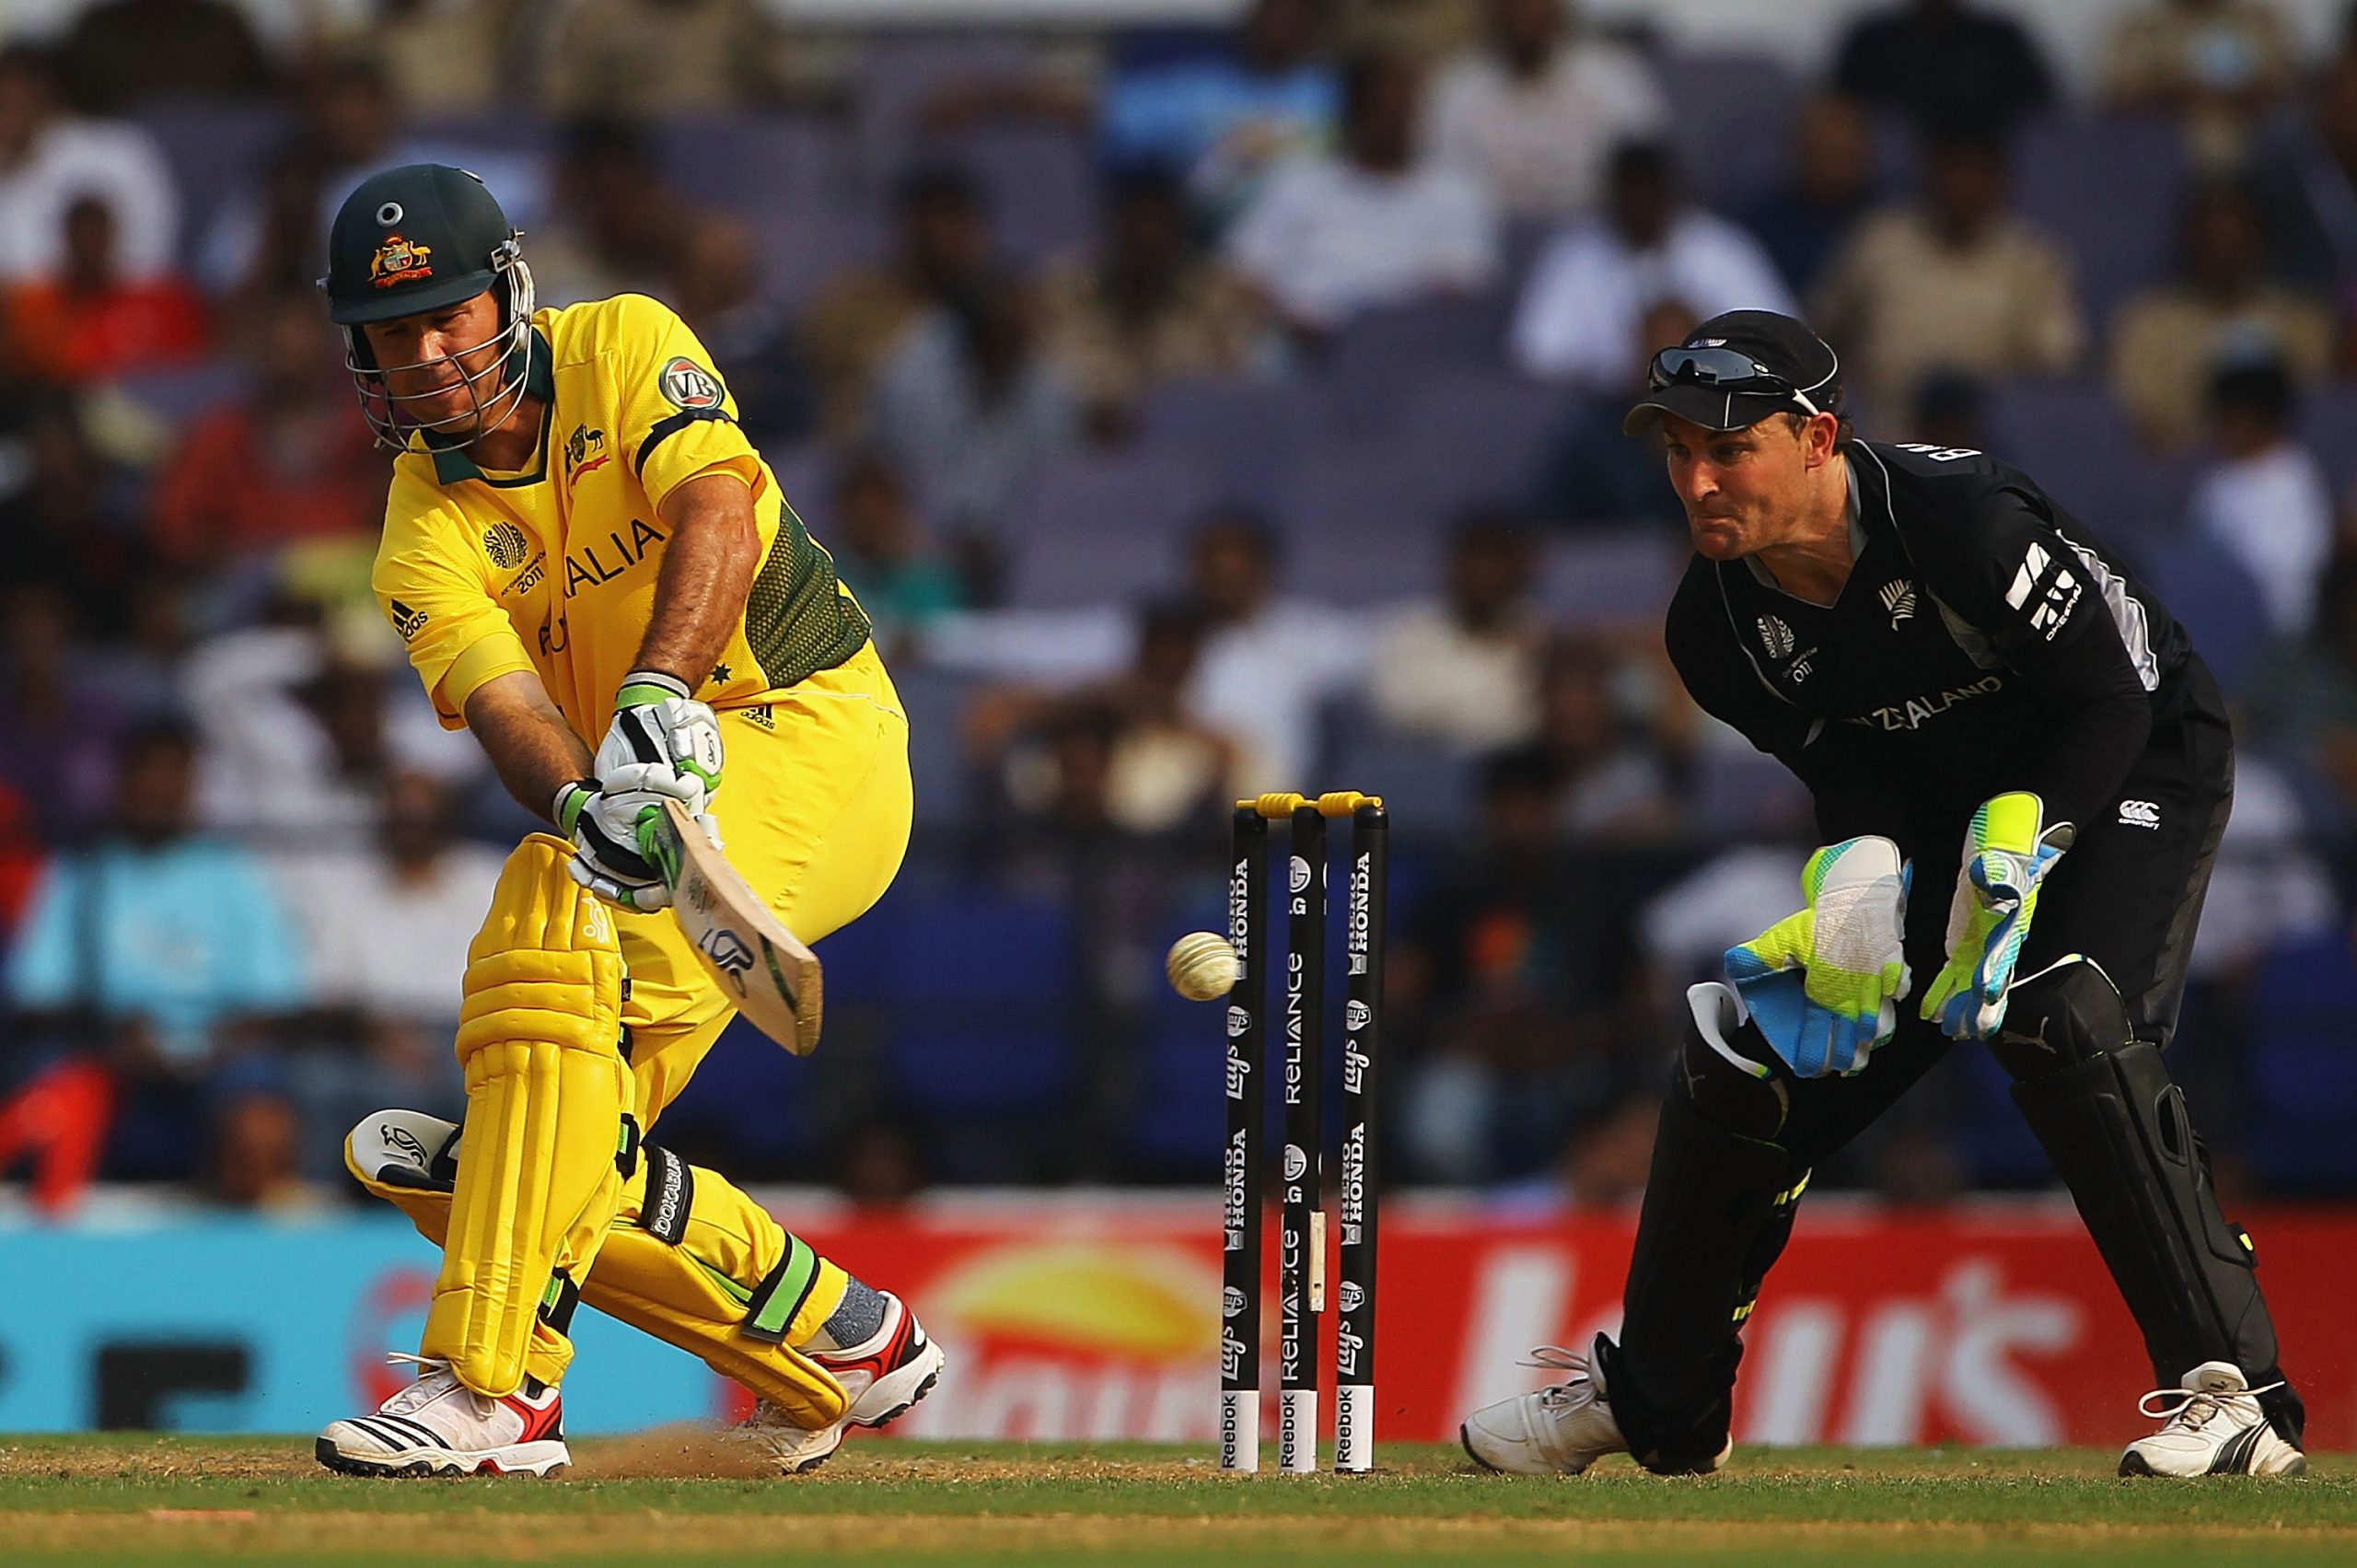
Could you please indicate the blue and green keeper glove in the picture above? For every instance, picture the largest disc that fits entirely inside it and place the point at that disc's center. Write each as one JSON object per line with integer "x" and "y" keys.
{"x": 1823, "y": 986}
{"x": 2008, "y": 851}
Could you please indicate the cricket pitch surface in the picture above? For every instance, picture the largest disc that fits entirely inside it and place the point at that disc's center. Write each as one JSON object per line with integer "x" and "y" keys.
{"x": 682, "y": 1497}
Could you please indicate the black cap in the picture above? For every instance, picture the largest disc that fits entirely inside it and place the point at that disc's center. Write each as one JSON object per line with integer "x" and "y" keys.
{"x": 1781, "y": 346}
{"x": 413, "y": 238}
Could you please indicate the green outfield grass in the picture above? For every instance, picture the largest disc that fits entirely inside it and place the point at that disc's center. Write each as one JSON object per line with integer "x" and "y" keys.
{"x": 681, "y": 1498}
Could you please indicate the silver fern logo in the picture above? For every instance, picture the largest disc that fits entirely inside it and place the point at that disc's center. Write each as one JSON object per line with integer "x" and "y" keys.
{"x": 1775, "y": 636}
{"x": 1898, "y": 599}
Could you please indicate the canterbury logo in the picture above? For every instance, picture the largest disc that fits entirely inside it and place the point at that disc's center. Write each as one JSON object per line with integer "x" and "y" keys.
{"x": 1899, "y": 601}
{"x": 2140, "y": 814}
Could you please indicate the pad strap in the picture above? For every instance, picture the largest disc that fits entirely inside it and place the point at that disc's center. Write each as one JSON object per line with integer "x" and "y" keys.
{"x": 626, "y": 1146}
{"x": 558, "y": 1302}
{"x": 780, "y": 1293}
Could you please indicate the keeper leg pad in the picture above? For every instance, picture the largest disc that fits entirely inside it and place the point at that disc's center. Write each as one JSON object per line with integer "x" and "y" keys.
{"x": 539, "y": 1028}
{"x": 2116, "y": 1126}
{"x": 1718, "y": 1209}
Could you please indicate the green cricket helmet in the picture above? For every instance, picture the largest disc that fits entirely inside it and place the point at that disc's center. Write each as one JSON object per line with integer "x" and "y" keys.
{"x": 417, "y": 238}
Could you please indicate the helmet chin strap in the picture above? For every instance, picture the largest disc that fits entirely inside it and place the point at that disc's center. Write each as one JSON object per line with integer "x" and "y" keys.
{"x": 382, "y": 408}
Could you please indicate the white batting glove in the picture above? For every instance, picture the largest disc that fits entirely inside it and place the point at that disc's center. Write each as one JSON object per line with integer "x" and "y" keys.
{"x": 614, "y": 846}
{"x": 662, "y": 740}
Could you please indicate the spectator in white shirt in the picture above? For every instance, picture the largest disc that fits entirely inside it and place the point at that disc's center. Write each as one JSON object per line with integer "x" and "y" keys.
{"x": 49, "y": 161}
{"x": 1330, "y": 236}
{"x": 1267, "y": 665}
{"x": 2263, "y": 498}
{"x": 388, "y": 923}
{"x": 300, "y": 737}
{"x": 1580, "y": 313}
{"x": 1462, "y": 670}
{"x": 388, "y": 920}
{"x": 1538, "y": 108}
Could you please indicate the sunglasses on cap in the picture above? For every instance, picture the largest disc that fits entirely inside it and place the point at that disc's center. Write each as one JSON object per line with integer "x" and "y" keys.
{"x": 1723, "y": 370}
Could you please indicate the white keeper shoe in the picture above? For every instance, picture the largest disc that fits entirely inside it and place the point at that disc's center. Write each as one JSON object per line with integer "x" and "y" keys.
{"x": 2215, "y": 1427}
{"x": 885, "y": 1377}
{"x": 1560, "y": 1429}
{"x": 439, "y": 1426}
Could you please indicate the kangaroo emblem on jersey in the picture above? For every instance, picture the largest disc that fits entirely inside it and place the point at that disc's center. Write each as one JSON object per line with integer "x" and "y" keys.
{"x": 1898, "y": 599}
{"x": 585, "y": 451}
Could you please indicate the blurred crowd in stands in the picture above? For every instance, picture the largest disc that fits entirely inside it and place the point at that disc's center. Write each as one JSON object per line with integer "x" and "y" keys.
{"x": 1197, "y": 412}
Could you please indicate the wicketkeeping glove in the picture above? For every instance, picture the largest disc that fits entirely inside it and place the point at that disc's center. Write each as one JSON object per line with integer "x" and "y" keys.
{"x": 1823, "y": 985}
{"x": 662, "y": 740}
{"x": 2008, "y": 851}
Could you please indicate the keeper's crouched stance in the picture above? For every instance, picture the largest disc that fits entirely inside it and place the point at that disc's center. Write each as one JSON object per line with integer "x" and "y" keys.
{"x": 1949, "y": 662}
{"x": 640, "y": 578}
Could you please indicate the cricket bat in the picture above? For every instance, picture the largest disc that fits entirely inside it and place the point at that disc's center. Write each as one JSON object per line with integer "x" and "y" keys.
{"x": 772, "y": 977}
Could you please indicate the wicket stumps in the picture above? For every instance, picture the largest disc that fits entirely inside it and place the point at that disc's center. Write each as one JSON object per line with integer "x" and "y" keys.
{"x": 1301, "y": 1250}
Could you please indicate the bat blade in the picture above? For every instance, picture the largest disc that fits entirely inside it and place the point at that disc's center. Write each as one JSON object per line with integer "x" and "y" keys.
{"x": 758, "y": 965}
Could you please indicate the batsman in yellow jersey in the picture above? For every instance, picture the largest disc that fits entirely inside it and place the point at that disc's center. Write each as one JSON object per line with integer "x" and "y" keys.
{"x": 597, "y": 575}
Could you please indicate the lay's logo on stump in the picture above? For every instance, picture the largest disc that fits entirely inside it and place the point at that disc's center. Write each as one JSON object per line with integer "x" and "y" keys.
{"x": 397, "y": 262}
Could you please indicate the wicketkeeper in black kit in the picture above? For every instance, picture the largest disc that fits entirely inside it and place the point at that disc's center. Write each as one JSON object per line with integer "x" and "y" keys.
{"x": 1960, "y": 674}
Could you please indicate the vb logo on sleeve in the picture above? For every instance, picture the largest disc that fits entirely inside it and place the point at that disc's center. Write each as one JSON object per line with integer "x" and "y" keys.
{"x": 687, "y": 385}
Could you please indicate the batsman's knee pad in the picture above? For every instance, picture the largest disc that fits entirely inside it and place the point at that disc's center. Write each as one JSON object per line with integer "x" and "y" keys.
{"x": 1723, "y": 1068}
{"x": 2065, "y": 1014}
{"x": 2102, "y": 1104}
{"x": 547, "y": 1092}
{"x": 411, "y": 1160}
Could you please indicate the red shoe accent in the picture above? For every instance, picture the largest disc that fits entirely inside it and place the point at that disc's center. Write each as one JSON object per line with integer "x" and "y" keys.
{"x": 905, "y": 1342}
{"x": 545, "y": 1420}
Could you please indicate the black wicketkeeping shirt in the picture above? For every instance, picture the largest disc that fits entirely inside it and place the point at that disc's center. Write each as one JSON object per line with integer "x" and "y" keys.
{"x": 1983, "y": 642}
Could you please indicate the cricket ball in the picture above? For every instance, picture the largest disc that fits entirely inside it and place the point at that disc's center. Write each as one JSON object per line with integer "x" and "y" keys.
{"x": 1201, "y": 966}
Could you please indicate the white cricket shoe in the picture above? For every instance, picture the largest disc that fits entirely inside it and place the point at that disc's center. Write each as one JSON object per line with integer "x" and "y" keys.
{"x": 2215, "y": 1427}
{"x": 885, "y": 1377}
{"x": 1560, "y": 1429}
{"x": 439, "y": 1426}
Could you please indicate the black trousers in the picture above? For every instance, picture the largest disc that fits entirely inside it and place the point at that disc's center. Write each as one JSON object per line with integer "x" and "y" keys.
{"x": 2127, "y": 895}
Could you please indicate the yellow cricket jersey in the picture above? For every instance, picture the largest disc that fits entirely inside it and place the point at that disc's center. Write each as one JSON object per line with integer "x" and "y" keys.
{"x": 554, "y": 569}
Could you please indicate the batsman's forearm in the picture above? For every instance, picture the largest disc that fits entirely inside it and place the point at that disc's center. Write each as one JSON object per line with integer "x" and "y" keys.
{"x": 531, "y": 745}
{"x": 706, "y": 574}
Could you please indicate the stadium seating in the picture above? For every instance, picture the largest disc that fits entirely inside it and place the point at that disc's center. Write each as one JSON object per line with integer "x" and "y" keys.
{"x": 976, "y": 1035}
{"x": 1729, "y": 129}
{"x": 2109, "y": 189}
{"x": 2303, "y": 1074}
{"x": 1095, "y": 530}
